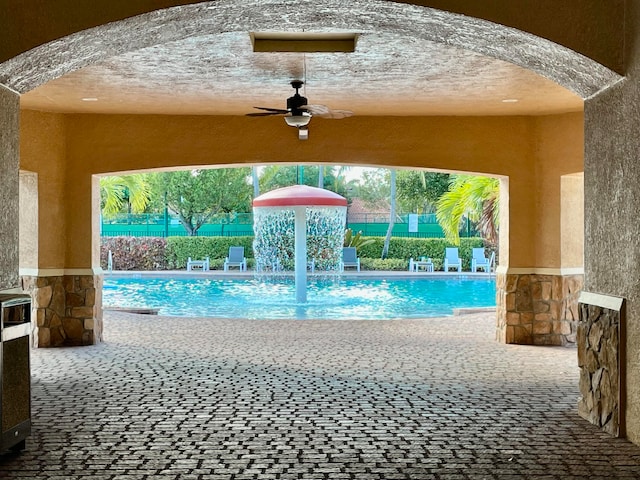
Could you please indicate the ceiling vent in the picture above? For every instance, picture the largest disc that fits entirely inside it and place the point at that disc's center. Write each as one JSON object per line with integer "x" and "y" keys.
{"x": 304, "y": 41}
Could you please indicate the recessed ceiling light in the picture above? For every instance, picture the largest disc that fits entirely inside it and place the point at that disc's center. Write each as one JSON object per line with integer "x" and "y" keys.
{"x": 89, "y": 99}
{"x": 510, "y": 100}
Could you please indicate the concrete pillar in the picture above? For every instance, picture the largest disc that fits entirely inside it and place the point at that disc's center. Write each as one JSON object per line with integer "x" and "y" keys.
{"x": 58, "y": 270}
{"x": 612, "y": 201}
{"x": 9, "y": 205}
{"x": 540, "y": 279}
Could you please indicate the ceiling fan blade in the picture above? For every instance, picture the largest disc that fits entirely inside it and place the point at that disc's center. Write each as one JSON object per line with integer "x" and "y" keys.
{"x": 323, "y": 111}
{"x": 337, "y": 114}
{"x": 274, "y": 110}
{"x": 264, "y": 114}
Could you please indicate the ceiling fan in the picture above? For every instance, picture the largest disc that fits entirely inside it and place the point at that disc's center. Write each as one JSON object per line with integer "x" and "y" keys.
{"x": 298, "y": 112}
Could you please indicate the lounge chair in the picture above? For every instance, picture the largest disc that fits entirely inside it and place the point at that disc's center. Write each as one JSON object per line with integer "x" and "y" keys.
{"x": 235, "y": 259}
{"x": 349, "y": 258}
{"x": 201, "y": 264}
{"x": 452, "y": 260}
{"x": 478, "y": 260}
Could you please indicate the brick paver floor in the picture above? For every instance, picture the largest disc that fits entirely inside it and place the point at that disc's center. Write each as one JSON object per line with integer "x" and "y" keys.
{"x": 166, "y": 398}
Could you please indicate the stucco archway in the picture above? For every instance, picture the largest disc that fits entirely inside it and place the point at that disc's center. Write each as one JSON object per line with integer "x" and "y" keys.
{"x": 610, "y": 130}
{"x": 560, "y": 64}
{"x": 162, "y": 28}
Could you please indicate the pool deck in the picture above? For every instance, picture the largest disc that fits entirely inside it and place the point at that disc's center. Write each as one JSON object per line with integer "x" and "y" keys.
{"x": 167, "y": 398}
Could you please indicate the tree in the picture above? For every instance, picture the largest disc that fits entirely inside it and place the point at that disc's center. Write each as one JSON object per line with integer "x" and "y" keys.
{"x": 119, "y": 191}
{"x": 255, "y": 181}
{"x": 475, "y": 197}
{"x": 419, "y": 190}
{"x": 276, "y": 176}
{"x": 337, "y": 181}
{"x": 197, "y": 195}
{"x": 392, "y": 214}
{"x": 373, "y": 187}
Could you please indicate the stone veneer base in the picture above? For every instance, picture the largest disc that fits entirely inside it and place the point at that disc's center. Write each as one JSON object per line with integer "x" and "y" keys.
{"x": 534, "y": 309}
{"x": 600, "y": 359}
{"x": 67, "y": 310}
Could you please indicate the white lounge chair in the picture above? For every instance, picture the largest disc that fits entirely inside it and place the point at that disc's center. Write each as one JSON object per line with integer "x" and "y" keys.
{"x": 201, "y": 264}
{"x": 478, "y": 260}
{"x": 349, "y": 258}
{"x": 452, "y": 260}
{"x": 235, "y": 259}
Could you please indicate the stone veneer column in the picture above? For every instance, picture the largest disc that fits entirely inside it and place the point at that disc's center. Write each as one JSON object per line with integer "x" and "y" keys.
{"x": 67, "y": 309}
{"x": 534, "y": 309}
{"x": 601, "y": 358}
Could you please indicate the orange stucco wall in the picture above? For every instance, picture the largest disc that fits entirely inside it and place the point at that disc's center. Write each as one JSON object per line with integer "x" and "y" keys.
{"x": 563, "y": 159}
{"x": 533, "y": 152}
{"x": 43, "y": 151}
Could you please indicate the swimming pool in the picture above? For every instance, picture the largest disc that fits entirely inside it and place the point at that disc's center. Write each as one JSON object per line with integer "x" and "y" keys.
{"x": 343, "y": 298}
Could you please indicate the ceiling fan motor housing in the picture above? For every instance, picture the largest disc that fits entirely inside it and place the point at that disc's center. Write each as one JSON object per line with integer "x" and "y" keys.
{"x": 294, "y": 103}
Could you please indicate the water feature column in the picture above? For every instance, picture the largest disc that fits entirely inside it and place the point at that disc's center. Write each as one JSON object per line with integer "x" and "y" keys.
{"x": 301, "y": 253}
{"x": 297, "y": 198}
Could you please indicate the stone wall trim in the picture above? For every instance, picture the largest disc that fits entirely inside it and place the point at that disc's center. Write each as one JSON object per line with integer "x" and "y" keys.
{"x": 564, "y": 271}
{"x": 600, "y": 300}
{"x": 59, "y": 272}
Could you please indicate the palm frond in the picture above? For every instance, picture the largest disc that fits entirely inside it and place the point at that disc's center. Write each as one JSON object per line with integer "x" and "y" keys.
{"x": 116, "y": 190}
{"x": 112, "y": 194}
{"x": 474, "y": 197}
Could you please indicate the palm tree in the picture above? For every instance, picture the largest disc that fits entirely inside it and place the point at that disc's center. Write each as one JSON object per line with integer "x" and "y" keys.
{"x": 116, "y": 191}
{"x": 474, "y": 197}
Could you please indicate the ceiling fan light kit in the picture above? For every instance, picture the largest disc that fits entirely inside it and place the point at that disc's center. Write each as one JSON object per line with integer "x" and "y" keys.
{"x": 298, "y": 120}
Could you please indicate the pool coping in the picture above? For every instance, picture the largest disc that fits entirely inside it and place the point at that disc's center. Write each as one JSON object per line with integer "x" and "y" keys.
{"x": 139, "y": 310}
{"x": 471, "y": 310}
{"x": 378, "y": 275}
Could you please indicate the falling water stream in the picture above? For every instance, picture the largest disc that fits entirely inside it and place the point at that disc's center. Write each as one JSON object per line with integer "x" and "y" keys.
{"x": 274, "y": 246}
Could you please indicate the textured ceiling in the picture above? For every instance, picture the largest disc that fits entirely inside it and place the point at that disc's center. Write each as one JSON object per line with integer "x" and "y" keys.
{"x": 219, "y": 74}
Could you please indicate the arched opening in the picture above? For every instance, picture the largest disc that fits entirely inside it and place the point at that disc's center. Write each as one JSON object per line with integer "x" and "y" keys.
{"x": 532, "y": 260}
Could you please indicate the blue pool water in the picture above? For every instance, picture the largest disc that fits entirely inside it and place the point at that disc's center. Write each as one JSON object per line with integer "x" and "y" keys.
{"x": 349, "y": 299}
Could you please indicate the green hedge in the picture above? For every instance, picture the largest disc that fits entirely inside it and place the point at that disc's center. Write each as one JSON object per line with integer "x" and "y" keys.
{"x": 179, "y": 249}
{"x": 406, "y": 248}
{"x": 134, "y": 253}
{"x": 395, "y": 264}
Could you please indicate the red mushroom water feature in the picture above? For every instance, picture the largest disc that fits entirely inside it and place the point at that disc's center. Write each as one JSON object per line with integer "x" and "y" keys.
{"x": 299, "y": 198}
